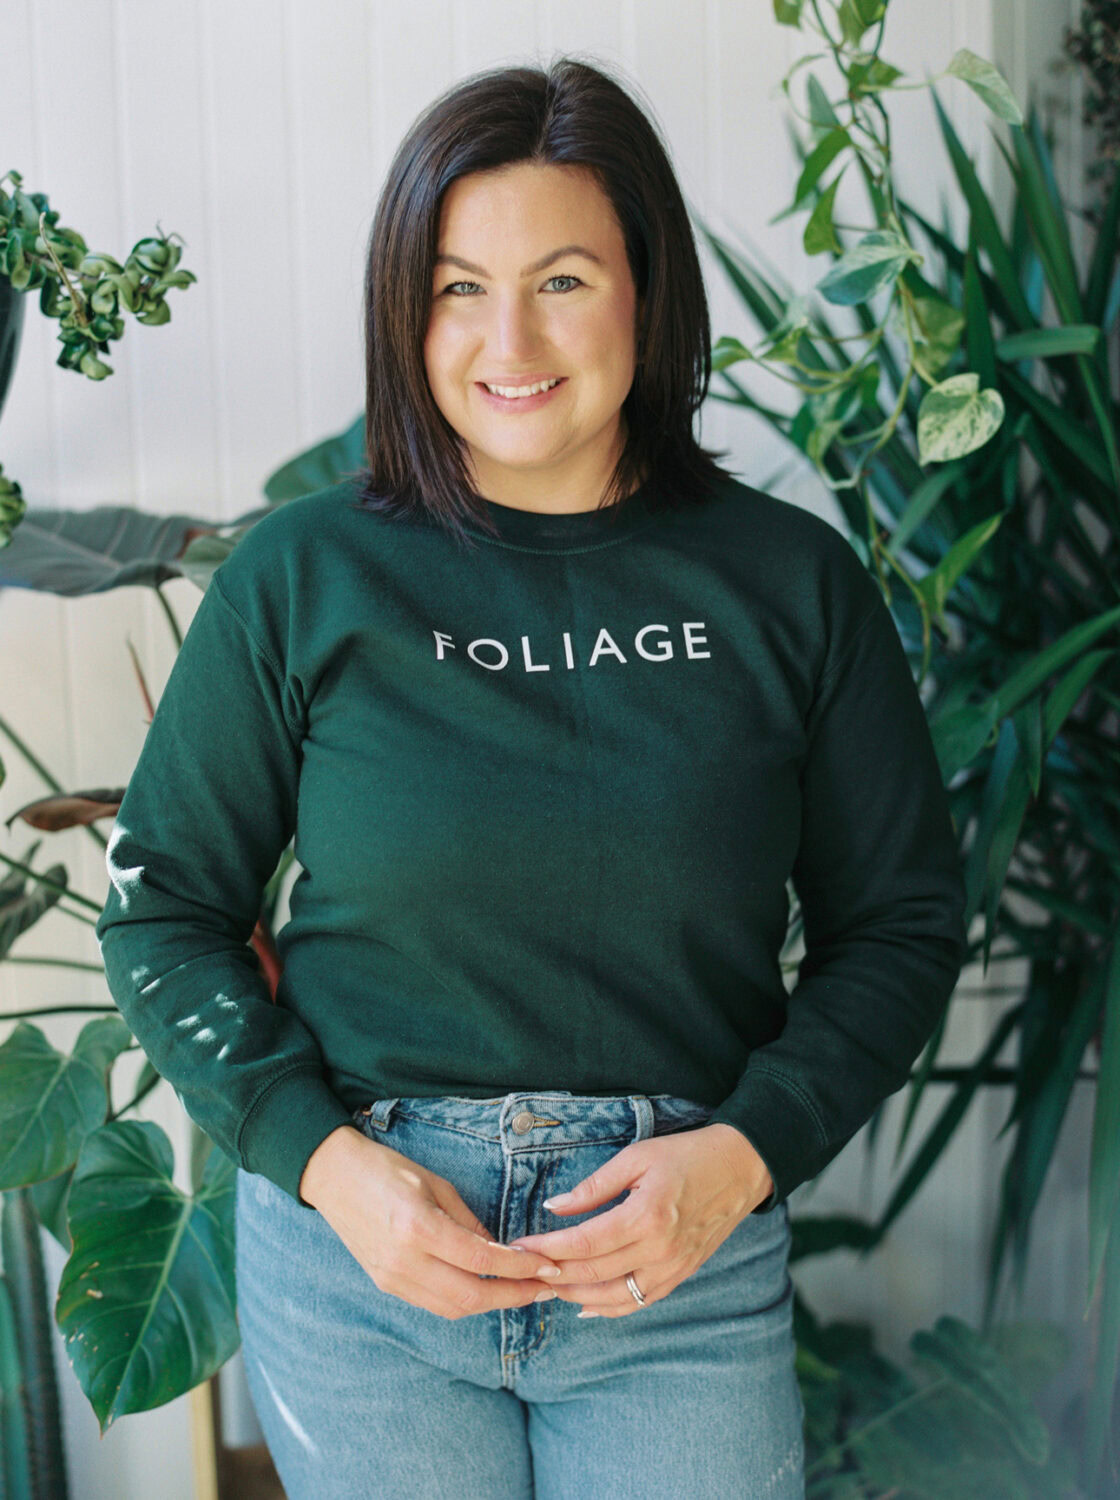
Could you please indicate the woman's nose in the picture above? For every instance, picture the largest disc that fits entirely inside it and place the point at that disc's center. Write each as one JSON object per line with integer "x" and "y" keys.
{"x": 516, "y": 330}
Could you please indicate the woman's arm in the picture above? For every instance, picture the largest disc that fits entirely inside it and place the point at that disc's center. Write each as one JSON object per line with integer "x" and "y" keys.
{"x": 207, "y": 813}
{"x": 882, "y": 895}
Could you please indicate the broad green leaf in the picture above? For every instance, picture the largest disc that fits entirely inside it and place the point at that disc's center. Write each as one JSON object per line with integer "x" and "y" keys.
{"x": 985, "y": 79}
{"x": 970, "y": 1362}
{"x": 25, "y": 900}
{"x": 318, "y": 467}
{"x": 788, "y": 12}
{"x": 50, "y": 1100}
{"x": 956, "y": 417}
{"x": 75, "y": 552}
{"x": 871, "y": 264}
{"x": 147, "y": 1301}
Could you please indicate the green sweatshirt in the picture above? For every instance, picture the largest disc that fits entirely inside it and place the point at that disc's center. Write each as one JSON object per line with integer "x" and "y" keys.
{"x": 546, "y": 796}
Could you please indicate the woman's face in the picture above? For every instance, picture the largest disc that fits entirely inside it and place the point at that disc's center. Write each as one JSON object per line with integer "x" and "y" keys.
{"x": 506, "y": 312}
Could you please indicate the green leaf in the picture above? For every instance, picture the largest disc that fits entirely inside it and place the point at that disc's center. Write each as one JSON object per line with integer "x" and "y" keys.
{"x": 871, "y": 264}
{"x": 944, "y": 1127}
{"x": 50, "y": 1101}
{"x": 936, "y": 585}
{"x": 971, "y": 1363}
{"x": 320, "y": 466}
{"x": 985, "y": 79}
{"x": 857, "y": 15}
{"x": 921, "y": 503}
{"x": 728, "y": 351}
{"x": 147, "y": 1301}
{"x": 819, "y": 106}
{"x": 821, "y": 1234}
{"x": 939, "y": 323}
{"x": 823, "y": 154}
{"x": 956, "y": 417}
{"x": 788, "y": 12}
{"x": 870, "y": 75}
{"x": 984, "y": 224}
{"x": 1045, "y": 343}
{"x": 819, "y": 232}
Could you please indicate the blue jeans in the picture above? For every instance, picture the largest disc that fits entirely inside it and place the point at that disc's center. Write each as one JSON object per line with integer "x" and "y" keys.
{"x": 362, "y": 1394}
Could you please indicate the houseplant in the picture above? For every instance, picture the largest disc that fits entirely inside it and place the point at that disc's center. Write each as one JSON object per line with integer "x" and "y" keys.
{"x": 972, "y": 449}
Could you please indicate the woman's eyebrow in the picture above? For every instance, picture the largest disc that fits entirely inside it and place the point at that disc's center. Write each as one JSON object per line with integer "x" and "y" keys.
{"x": 538, "y": 265}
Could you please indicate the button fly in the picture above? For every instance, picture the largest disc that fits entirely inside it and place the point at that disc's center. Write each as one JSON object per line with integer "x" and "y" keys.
{"x": 523, "y": 1121}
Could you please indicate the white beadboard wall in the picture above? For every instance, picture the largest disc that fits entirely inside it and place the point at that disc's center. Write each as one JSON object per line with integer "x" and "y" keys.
{"x": 260, "y": 133}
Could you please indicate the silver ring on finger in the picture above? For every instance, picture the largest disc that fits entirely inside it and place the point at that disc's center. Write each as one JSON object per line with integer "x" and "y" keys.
{"x": 634, "y": 1292}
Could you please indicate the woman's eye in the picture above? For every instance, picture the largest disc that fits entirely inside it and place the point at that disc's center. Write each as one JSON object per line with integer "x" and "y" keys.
{"x": 451, "y": 287}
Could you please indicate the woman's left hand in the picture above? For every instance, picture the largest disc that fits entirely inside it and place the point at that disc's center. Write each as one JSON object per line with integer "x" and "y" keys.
{"x": 688, "y": 1191}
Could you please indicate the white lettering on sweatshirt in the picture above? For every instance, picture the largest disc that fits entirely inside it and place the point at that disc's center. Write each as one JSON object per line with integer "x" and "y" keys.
{"x": 494, "y": 655}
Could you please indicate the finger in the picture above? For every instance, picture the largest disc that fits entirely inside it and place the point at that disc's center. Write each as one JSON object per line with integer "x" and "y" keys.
{"x": 615, "y": 1230}
{"x": 451, "y": 1293}
{"x": 461, "y": 1244}
{"x": 615, "y": 1299}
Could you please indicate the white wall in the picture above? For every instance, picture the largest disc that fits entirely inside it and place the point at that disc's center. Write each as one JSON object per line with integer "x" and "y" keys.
{"x": 260, "y": 133}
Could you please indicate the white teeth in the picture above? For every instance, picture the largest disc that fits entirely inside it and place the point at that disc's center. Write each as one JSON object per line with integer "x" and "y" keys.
{"x": 512, "y": 392}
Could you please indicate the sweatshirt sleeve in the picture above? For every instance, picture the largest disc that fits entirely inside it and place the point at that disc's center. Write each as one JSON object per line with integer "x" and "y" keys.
{"x": 882, "y": 895}
{"x": 207, "y": 813}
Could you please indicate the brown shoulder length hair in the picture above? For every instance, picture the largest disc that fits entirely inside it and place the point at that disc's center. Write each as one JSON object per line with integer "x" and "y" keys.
{"x": 571, "y": 113}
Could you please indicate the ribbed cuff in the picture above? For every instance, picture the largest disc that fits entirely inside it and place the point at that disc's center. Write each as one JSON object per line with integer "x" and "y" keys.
{"x": 781, "y": 1126}
{"x": 286, "y": 1125}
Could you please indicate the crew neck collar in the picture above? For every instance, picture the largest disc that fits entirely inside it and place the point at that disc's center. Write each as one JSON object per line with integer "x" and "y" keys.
{"x": 564, "y": 530}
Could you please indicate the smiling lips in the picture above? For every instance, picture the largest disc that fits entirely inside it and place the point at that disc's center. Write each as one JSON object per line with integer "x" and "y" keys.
{"x": 519, "y": 403}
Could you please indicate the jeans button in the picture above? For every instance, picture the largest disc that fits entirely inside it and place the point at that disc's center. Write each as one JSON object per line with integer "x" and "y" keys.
{"x": 523, "y": 1121}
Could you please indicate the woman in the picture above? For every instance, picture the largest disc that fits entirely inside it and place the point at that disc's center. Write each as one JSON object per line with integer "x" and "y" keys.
{"x": 555, "y": 707}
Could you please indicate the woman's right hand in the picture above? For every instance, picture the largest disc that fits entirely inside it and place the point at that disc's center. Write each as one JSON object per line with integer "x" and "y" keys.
{"x": 412, "y": 1232}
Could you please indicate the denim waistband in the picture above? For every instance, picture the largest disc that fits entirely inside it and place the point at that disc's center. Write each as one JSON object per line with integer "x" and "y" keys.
{"x": 545, "y": 1117}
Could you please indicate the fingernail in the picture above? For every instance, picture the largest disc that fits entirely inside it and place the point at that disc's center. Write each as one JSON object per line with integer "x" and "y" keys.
{"x": 557, "y": 1198}
{"x": 544, "y": 1296}
{"x": 549, "y": 1271}
{"x": 498, "y": 1244}
{"x": 585, "y": 1313}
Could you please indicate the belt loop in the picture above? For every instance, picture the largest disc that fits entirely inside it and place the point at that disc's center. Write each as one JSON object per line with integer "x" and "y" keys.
{"x": 378, "y": 1113}
{"x": 643, "y": 1116}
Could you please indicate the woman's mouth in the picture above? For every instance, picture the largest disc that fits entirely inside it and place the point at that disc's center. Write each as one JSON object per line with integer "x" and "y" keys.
{"x": 520, "y": 397}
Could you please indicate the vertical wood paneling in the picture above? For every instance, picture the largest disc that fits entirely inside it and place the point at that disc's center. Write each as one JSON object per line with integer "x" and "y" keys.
{"x": 261, "y": 133}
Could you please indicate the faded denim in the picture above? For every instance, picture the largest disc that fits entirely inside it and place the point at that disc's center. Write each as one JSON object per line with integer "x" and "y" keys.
{"x": 361, "y": 1394}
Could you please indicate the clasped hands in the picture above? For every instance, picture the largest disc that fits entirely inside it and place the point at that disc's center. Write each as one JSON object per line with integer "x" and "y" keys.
{"x": 687, "y": 1192}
